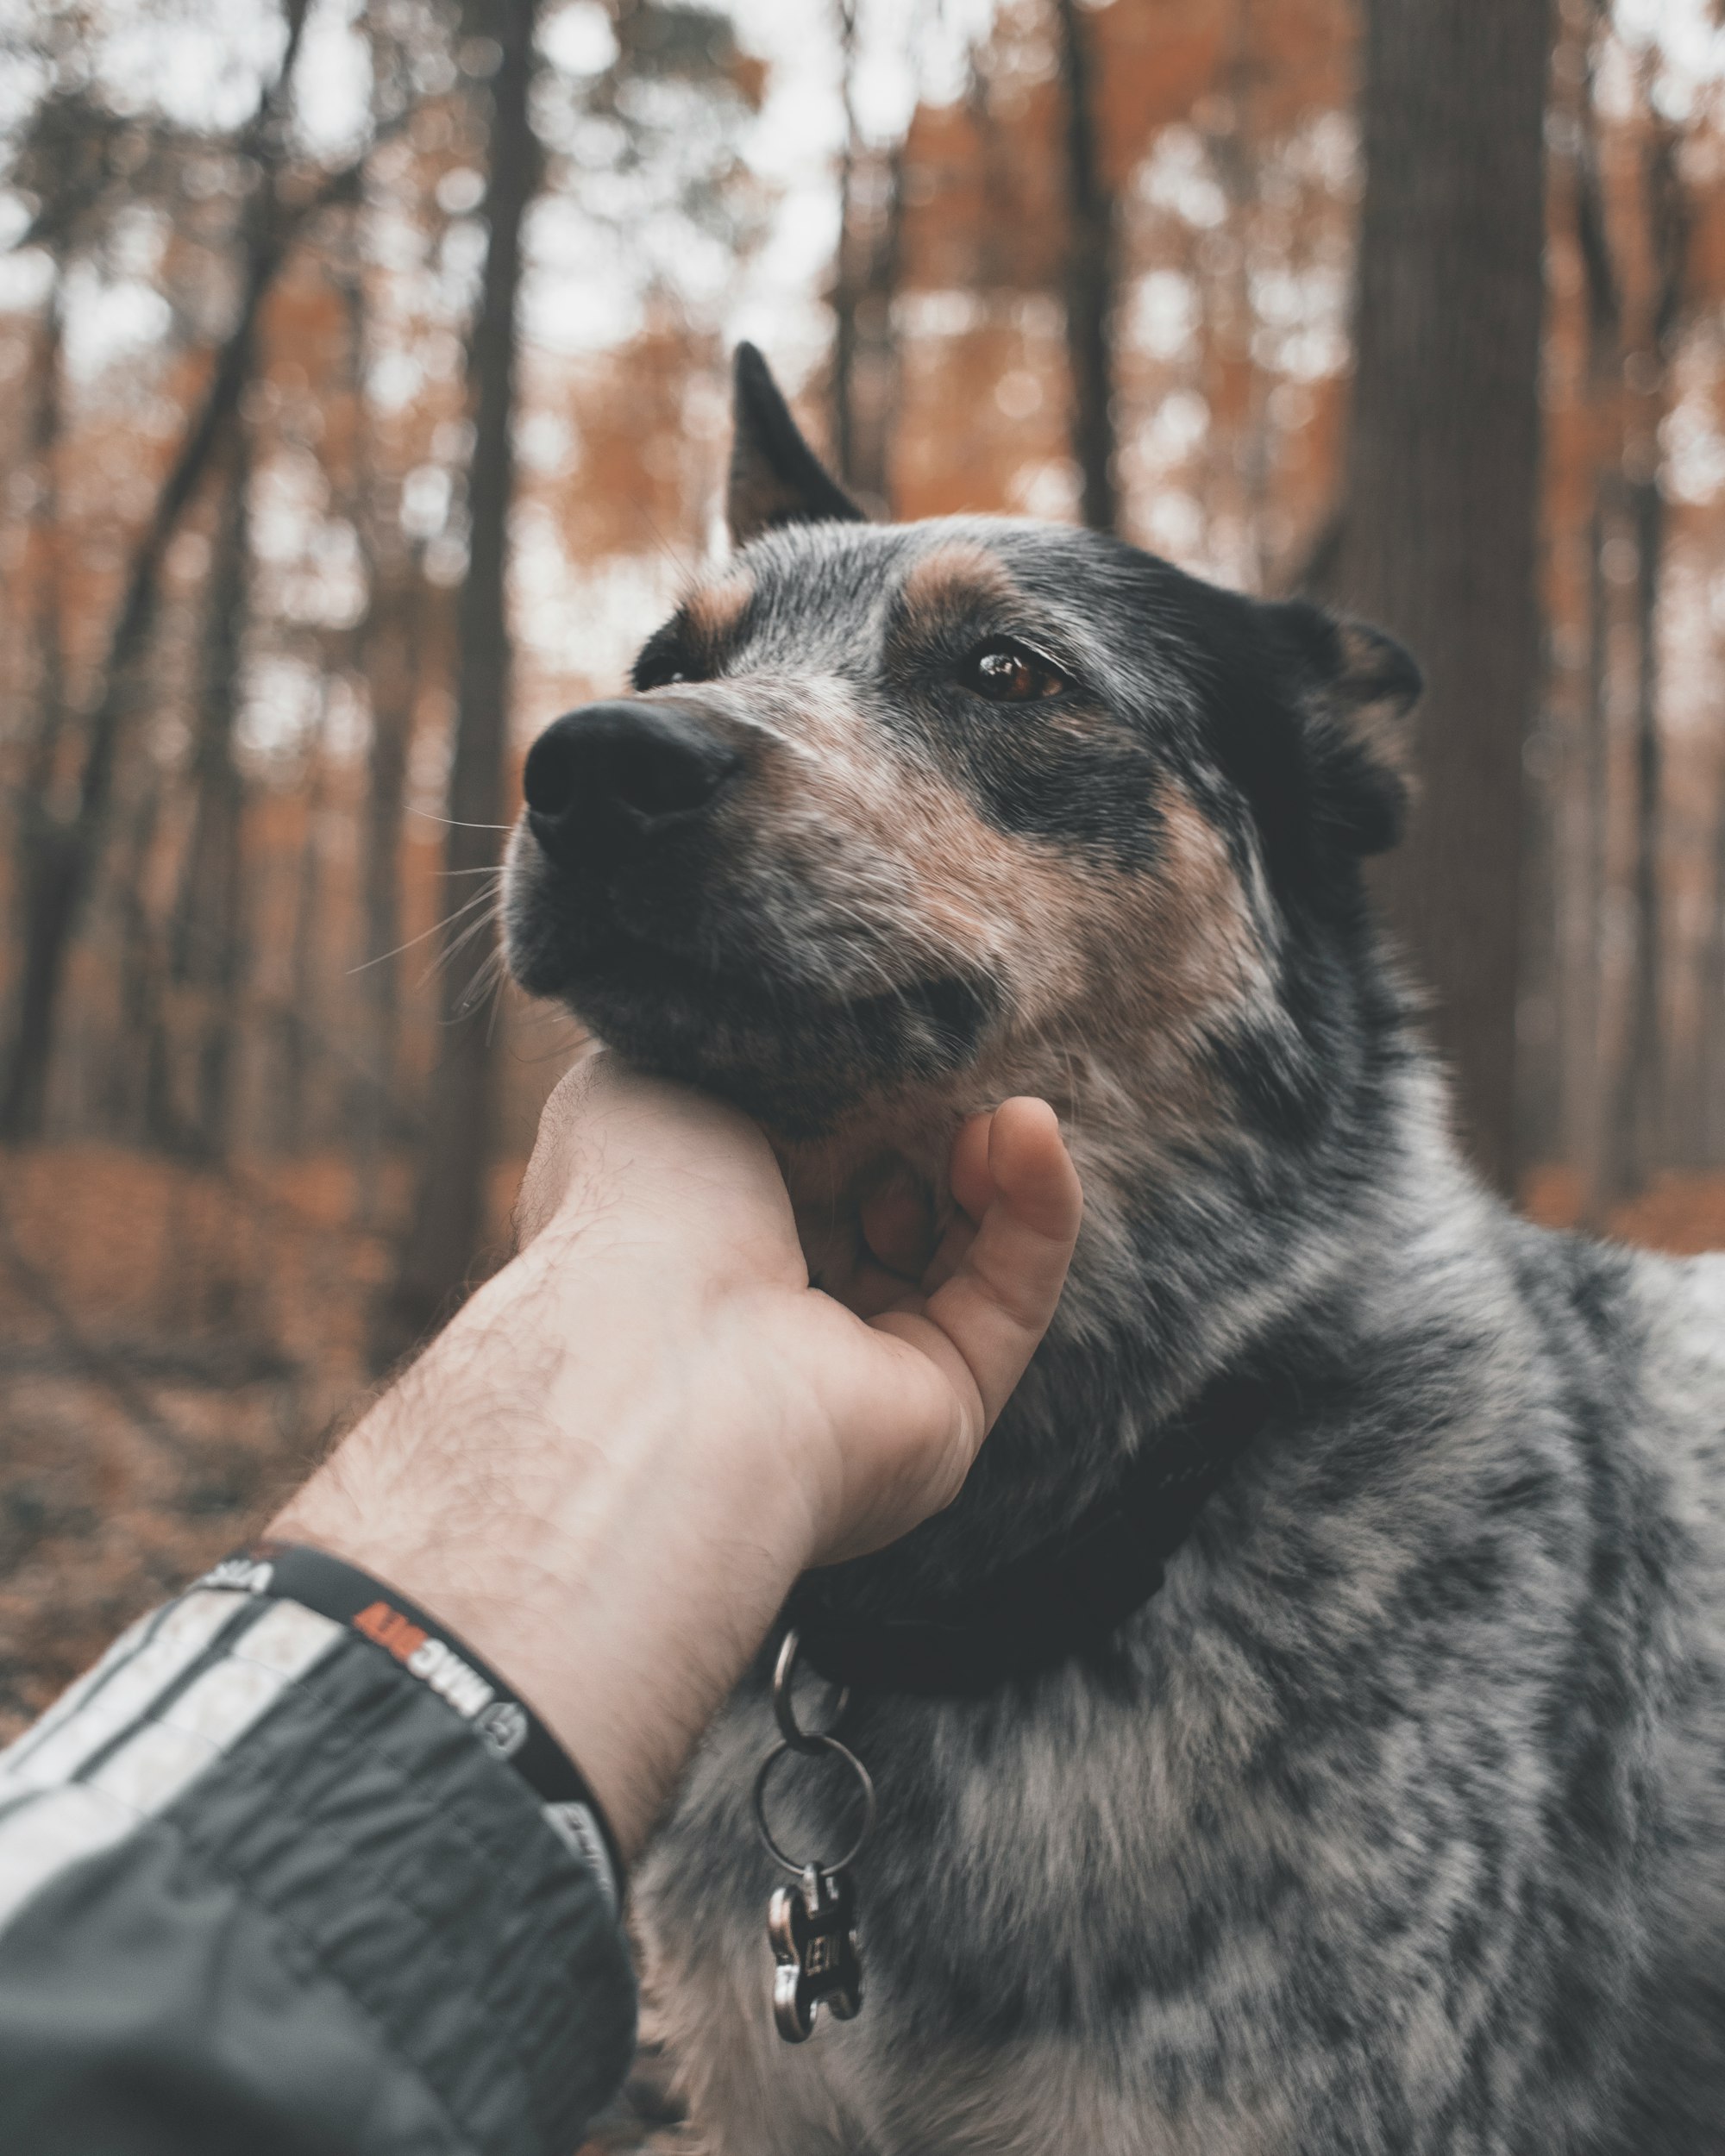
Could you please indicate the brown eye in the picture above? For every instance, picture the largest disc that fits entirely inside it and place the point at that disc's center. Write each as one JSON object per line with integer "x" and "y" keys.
{"x": 660, "y": 666}
{"x": 1007, "y": 674}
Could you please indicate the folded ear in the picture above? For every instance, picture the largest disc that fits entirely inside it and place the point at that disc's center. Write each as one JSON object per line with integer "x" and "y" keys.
{"x": 1357, "y": 688}
{"x": 775, "y": 477}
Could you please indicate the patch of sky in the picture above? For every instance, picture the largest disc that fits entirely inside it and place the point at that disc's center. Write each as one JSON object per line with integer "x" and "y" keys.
{"x": 1162, "y": 313}
{"x": 578, "y": 39}
{"x": 1177, "y": 177}
{"x": 109, "y": 320}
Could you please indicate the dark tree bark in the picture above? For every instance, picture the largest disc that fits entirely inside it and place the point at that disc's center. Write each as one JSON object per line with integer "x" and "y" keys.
{"x": 844, "y": 279}
{"x": 1437, "y": 540}
{"x": 63, "y": 853}
{"x": 1604, "y": 297}
{"x": 139, "y": 1084}
{"x": 1638, "y": 1133}
{"x": 391, "y": 639}
{"x": 46, "y": 628}
{"x": 206, "y": 938}
{"x": 1090, "y": 279}
{"x": 444, "y": 1236}
{"x": 297, "y": 1020}
{"x": 865, "y": 358}
{"x": 1584, "y": 1072}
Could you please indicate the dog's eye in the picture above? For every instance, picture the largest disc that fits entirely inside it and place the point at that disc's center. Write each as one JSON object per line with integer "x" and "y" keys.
{"x": 660, "y": 668}
{"x": 1006, "y": 673}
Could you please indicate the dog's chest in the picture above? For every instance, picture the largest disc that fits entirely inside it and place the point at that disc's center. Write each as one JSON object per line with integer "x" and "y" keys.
{"x": 1016, "y": 1886}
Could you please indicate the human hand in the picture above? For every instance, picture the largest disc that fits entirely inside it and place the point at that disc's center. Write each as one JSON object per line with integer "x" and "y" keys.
{"x": 609, "y": 1468}
{"x": 884, "y": 1382}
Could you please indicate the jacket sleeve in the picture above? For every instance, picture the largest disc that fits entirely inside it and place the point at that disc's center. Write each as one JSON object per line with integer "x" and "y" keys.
{"x": 260, "y": 1890}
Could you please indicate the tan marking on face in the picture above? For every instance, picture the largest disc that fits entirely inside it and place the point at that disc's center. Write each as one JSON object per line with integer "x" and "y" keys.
{"x": 1108, "y": 976}
{"x": 713, "y": 611}
{"x": 953, "y": 578}
{"x": 887, "y": 873}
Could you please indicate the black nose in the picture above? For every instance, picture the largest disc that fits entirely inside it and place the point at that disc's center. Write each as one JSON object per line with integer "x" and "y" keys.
{"x": 611, "y": 775}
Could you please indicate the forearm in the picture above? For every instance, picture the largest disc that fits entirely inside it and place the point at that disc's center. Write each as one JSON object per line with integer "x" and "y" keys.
{"x": 627, "y": 1568}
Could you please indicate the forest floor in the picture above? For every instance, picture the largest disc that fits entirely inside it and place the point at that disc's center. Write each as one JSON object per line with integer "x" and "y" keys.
{"x": 177, "y": 1346}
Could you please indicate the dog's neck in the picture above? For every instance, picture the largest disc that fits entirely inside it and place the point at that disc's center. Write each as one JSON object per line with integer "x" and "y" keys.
{"x": 1197, "y": 1261}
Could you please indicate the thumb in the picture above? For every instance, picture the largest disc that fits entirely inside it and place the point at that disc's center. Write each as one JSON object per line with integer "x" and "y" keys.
{"x": 984, "y": 1324}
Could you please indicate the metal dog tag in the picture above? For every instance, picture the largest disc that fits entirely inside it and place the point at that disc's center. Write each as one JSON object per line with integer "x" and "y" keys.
{"x": 813, "y": 1929}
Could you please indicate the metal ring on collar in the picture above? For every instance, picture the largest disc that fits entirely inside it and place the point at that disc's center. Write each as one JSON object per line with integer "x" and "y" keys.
{"x": 864, "y": 1776}
{"x": 784, "y": 1709}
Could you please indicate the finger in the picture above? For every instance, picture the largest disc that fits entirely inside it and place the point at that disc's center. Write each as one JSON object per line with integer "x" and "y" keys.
{"x": 961, "y": 1233}
{"x": 973, "y": 1185}
{"x": 984, "y": 1323}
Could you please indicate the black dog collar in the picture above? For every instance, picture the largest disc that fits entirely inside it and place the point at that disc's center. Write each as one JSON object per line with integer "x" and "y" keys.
{"x": 1069, "y": 1593}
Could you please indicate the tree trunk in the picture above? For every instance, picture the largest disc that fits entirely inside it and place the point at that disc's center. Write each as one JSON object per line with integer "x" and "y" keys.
{"x": 1638, "y": 1133}
{"x": 865, "y": 360}
{"x": 206, "y": 945}
{"x": 1090, "y": 275}
{"x": 390, "y": 640}
{"x": 392, "y": 675}
{"x": 1635, "y": 1135}
{"x": 1437, "y": 540}
{"x": 1585, "y": 1073}
{"x": 62, "y": 860}
{"x": 296, "y": 1028}
{"x": 845, "y": 281}
{"x": 42, "y": 762}
{"x": 443, "y": 1239}
{"x": 136, "y": 1089}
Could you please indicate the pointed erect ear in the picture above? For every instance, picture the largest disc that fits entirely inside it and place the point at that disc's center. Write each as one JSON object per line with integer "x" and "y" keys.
{"x": 1356, "y": 687}
{"x": 775, "y": 477}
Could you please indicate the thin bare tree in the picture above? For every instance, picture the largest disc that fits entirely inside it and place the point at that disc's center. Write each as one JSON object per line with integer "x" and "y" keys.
{"x": 207, "y": 935}
{"x": 1091, "y": 273}
{"x": 444, "y": 1236}
{"x": 1637, "y": 1132}
{"x": 1584, "y": 865}
{"x": 865, "y": 277}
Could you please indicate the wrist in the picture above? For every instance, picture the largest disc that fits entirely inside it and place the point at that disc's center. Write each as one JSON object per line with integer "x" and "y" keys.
{"x": 617, "y": 1562}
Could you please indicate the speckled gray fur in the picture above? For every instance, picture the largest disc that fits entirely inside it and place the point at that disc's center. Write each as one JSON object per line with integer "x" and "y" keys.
{"x": 1394, "y": 1825}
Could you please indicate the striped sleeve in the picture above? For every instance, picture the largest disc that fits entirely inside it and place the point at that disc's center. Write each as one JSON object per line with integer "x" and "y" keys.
{"x": 261, "y": 1889}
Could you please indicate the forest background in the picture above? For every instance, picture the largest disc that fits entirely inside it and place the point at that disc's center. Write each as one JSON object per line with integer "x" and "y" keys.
{"x": 363, "y": 402}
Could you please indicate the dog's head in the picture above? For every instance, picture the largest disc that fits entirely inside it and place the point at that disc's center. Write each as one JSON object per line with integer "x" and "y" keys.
{"x": 899, "y": 819}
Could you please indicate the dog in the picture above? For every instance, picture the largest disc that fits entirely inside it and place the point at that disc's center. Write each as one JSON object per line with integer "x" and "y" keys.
{"x": 1394, "y": 1821}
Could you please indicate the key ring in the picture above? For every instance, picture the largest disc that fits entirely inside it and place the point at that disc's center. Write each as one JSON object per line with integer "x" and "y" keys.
{"x": 784, "y": 1707}
{"x": 864, "y": 1779}
{"x": 807, "y": 1743}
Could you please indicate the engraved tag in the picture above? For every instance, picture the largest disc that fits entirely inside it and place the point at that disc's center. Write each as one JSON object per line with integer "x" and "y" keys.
{"x": 812, "y": 1928}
